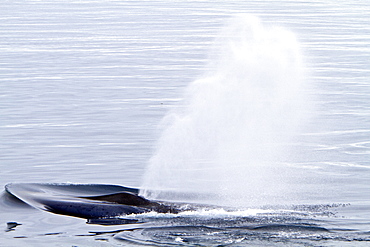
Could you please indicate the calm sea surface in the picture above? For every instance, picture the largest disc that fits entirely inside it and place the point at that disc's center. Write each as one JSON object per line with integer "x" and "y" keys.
{"x": 84, "y": 84}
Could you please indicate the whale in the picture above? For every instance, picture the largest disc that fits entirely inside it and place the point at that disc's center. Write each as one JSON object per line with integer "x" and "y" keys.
{"x": 101, "y": 203}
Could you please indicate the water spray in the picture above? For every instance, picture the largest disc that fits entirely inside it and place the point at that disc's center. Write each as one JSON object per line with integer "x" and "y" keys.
{"x": 226, "y": 141}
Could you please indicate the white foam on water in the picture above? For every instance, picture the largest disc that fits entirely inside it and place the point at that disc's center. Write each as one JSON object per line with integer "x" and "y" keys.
{"x": 204, "y": 213}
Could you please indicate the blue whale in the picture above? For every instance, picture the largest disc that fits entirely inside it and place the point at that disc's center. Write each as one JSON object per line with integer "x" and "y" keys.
{"x": 88, "y": 201}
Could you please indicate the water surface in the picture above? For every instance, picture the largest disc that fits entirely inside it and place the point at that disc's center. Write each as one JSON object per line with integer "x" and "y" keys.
{"x": 84, "y": 85}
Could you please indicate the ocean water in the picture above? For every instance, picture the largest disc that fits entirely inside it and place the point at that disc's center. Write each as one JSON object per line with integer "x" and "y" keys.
{"x": 85, "y": 84}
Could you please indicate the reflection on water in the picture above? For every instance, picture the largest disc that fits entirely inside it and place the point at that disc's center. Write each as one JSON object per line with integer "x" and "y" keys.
{"x": 267, "y": 227}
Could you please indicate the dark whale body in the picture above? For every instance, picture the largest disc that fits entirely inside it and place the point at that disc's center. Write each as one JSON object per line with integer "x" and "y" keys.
{"x": 95, "y": 202}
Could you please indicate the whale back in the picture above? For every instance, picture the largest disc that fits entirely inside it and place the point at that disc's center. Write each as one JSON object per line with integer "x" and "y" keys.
{"x": 89, "y": 201}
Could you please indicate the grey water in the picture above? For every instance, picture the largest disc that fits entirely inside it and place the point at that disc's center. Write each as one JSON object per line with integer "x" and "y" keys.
{"x": 85, "y": 84}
